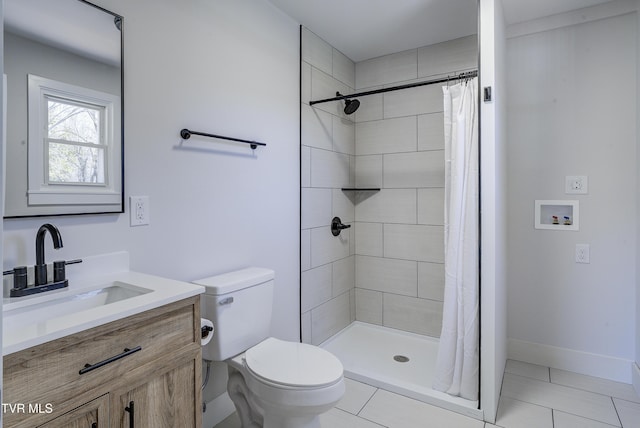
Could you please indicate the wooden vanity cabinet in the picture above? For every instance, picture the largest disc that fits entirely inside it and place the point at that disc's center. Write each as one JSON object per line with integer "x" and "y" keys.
{"x": 93, "y": 414}
{"x": 141, "y": 371}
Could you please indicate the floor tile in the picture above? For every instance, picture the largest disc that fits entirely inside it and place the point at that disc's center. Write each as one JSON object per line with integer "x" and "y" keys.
{"x": 527, "y": 370}
{"x": 336, "y": 418}
{"x": 559, "y": 397}
{"x": 595, "y": 384}
{"x": 629, "y": 413}
{"x": 565, "y": 420}
{"x": 356, "y": 396}
{"x": 396, "y": 411}
{"x": 232, "y": 421}
{"x": 518, "y": 414}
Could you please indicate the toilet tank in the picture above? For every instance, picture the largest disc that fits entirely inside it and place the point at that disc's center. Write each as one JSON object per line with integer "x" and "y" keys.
{"x": 239, "y": 304}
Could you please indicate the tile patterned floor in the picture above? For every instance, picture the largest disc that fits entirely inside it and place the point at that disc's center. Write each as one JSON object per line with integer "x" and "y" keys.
{"x": 532, "y": 397}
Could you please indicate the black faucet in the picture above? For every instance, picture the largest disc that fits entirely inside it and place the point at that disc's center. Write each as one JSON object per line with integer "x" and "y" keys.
{"x": 41, "y": 267}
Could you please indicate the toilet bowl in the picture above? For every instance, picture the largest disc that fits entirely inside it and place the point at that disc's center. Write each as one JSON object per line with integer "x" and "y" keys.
{"x": 273, "y": 383}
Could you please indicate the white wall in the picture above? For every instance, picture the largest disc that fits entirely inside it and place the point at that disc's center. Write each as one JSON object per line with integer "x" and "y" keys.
{"x": 224, "y": 67}
{"x": 2, "y": 157}
{"x": 636, "y": 371}
{"x": 572, "y": 111}
{"x": 493, "y": 180}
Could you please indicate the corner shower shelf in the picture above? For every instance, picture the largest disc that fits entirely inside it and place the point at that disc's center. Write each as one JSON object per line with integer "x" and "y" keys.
{"x": 360, "y": 189}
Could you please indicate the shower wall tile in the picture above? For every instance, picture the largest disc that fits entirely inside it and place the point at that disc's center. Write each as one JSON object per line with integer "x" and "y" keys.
{"x": 387, "y": 69}
{"x": 325, "y": 86}
{"x": 317, "y": 128}
{"x": 387, "y": 275}
{"x": 369, "y": 171}
{"x": 414, "y": 242}
{"x": 344, "y": 69}
{"x": 316, "y": 51}
{"x": 344, "y": 136}
{"x": 418, "y": 169}
{"x": 305, "y": 321}
{"x": 388, "y": 206}
{"x": 352, "y": 240}
{"x": 387, "y": 136}
{"x": 344, "y": 275}
{"x": 447, "y": 57}
{"x": 369, "y": 306}
{"x": 306, "y": 83}
{"x": 305, "y": 249}
{"x": 305, "y": 167}
{"x": 431, "y": 206}
{"x": 431, "y": 281}
{"x": 431, "y": 131}
{"x": 342, "y": 207}
{"x": 370, "y": 106}
{"x": 352, "y": 304}
{"x": 329, "y": 169}
{"x": 420, "y": 316}
{"x": 329, "y": 318}
{"x": 316, "y": 207}
{"x": 326, "y": 248}
{"x": 316, "y": 287}
{"x": 369, "y": 239}
{"x": 414, "y": 101}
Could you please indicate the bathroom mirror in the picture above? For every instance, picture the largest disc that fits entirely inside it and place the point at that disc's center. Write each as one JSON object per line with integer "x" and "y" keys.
{"x": 64, "y": 108}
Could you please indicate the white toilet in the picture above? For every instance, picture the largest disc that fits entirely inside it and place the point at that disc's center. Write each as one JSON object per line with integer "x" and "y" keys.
{"x": 273, "y": 383}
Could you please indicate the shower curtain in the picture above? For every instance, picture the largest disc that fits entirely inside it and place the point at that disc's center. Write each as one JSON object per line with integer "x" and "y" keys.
{"x": 457, "y": 366}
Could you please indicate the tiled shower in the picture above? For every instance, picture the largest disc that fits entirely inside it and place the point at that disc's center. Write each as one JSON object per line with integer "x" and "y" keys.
{"x": 387, "y": 269}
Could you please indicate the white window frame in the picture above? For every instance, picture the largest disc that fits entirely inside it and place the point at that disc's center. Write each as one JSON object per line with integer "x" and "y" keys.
{"x": 40, "y": 191}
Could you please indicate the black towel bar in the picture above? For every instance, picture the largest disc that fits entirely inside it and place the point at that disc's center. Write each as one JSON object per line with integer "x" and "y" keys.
{"x": 186, "y": 134}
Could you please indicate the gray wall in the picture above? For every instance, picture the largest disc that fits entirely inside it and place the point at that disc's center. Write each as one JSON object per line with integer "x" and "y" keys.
{"x": 572, "y": 111}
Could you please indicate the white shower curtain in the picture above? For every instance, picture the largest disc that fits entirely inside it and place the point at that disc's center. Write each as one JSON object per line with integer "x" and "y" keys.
{"x": 457, "y": 367}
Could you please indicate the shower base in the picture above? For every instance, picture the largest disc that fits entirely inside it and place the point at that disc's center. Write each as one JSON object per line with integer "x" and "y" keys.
{"x": 396, "y": 361}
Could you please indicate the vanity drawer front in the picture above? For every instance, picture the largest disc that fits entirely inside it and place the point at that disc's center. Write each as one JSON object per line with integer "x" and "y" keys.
{"x": 50, "y": 373}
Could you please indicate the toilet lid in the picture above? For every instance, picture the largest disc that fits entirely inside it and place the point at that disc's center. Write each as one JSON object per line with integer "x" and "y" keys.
{"x": 293, "y": 364}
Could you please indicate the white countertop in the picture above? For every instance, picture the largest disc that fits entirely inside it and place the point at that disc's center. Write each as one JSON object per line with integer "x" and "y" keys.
{"x": 18, "y": 335}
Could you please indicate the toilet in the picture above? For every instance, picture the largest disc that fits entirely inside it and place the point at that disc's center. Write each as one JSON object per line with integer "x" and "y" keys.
{"x": 273, "y": 383}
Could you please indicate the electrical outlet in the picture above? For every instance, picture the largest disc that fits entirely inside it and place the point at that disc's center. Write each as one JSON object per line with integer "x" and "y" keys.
{"x": 576, "y": 184}
{"x": 582, "y": 253}
{"x": 139, "y": 210}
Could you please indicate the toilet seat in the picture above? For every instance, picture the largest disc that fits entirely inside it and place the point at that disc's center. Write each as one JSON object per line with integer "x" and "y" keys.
{"x": 292, "y": 365}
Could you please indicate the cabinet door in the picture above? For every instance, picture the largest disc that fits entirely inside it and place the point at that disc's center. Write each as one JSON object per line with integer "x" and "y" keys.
{"x": 167, "y": 400}
{"x": 94, "y": 414}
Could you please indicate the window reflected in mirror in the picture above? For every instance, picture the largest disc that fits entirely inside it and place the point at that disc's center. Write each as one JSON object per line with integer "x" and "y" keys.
{"x": 64, "y": 137}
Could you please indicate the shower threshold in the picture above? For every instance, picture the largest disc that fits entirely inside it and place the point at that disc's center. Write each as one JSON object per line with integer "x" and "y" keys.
{"x": 395, "y": 361}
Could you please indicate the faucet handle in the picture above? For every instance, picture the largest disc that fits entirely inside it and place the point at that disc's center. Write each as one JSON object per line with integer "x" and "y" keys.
{"x": 59, "y": 272}
{"x": 19, "y": 276}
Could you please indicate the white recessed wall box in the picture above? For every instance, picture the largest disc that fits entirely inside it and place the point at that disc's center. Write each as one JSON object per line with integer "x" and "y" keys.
{"x": 557, "y": 215}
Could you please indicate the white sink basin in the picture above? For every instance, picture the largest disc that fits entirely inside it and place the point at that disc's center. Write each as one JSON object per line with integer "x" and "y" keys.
{"x": 71, "y": 304}
{"x": 86, "y": 303}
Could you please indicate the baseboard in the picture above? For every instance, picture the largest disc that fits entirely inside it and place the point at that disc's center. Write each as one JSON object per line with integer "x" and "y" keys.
{"x": 635, "y": 376}
{"x": 218, "y": 409}
{"x": 603, "y": 366}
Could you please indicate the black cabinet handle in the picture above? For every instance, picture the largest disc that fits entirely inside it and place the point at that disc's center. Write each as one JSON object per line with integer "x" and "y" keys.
{"x": 131, "y": 411}
{"x": 88, "y": 367}
{"x": 94, "y": 425}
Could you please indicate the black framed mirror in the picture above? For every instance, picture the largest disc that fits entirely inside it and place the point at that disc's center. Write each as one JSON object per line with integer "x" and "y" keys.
{"x": 64, "y": 100}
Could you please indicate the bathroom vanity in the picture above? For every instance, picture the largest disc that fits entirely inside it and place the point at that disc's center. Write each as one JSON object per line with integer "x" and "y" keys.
{"x": 131, "y": 360}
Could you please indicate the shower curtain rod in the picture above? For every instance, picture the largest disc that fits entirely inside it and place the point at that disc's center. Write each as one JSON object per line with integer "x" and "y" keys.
{"x": 465, "y": 75}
